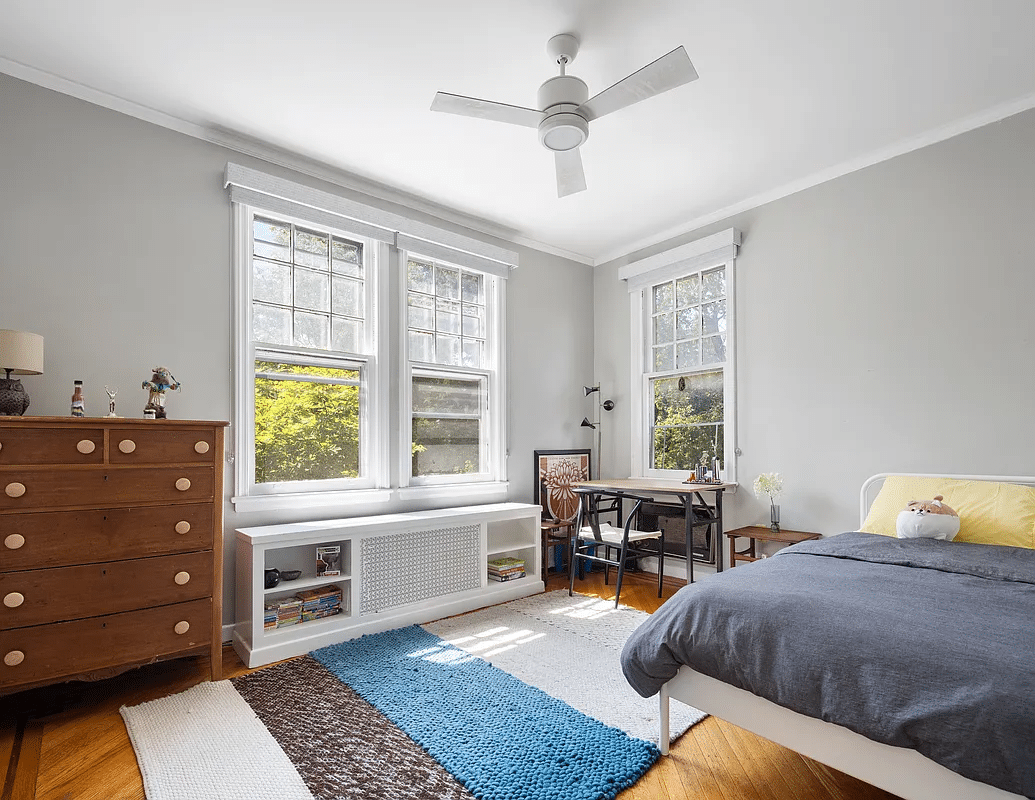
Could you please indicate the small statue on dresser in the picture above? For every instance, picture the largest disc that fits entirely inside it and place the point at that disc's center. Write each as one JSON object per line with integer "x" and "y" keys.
{"x": 161, "y": 381}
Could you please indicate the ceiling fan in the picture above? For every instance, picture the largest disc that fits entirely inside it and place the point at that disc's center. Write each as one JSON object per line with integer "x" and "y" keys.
{"x": 564, "y": 114}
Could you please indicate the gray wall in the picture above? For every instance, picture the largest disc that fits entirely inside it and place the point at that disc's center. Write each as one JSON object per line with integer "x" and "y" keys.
{"x": 115, "y": 242}
{"x": 884, "y": 324}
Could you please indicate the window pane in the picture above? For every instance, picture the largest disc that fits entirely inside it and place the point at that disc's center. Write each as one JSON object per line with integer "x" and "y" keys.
{"x": 714, "y": 284}
{"x": 714, "y": 317}
{"x": 311, "y": 249}
{"x": 445, "y": 446}
{"x": 306, "y": 430}
{"x": 688, "y": 290}
{"x": 312, "y": 330}
{"x": 447, "y": 283}
{"x": 347, "y": 257}
{"x": 347, "y": 297}
{"x": 422, "y": 312}
{"x": 713, "y": 349}
{"x": 688, "y": 420}
{"x": 447, "y": 350}
{"x": 688, "y": 354}
{"x": 663, "y": 358}
{"x": 271, "y": 325}
{"x": 472, "y": 355}
{"x": 271, "y": 282}
{"x": 271, "y": 239}
{"x": 420, "y": 276}
{"x": 447, "y": 318}
{"x": 663, "y": 297}
{"x": 312, "y": 290}
{"x": 422, "y": 347}
{"x": 473, "y": 321}
{"x": 473, "y": 288}
{"x": 688, "y": 323}
{"x": 663, "y": 328}
{"x": 446, "y": 395}
{"x": 346, "y": 335}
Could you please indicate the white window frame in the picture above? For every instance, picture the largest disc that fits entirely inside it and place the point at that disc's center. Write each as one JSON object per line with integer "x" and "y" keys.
{"x": 708, "y": 253}
{"x": 374, "y": 476}
{"x": 493, "y": 429}
{"x": 391, "y": 235}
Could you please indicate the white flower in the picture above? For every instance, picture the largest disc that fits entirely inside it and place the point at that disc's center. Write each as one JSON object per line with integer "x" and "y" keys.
{"x": 768, "y": 484}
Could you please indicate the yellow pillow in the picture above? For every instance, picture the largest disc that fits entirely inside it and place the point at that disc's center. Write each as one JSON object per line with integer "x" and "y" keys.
{"x": 990, "y": 513}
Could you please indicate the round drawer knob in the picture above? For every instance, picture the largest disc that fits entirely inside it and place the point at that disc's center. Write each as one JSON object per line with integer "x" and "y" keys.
{"x": 181, "y": 627}
{"x": 182, "y": 484}
{"x": 201, "y": 447}
{"x": 14, "y": 599}
{"x": 15, "y": 489}
{"x": 14, "y": 658}
{"x": 127, "y": 446}
{"x": 183, "y": 526}
{"x": 86, "y": 447}
{"x": 14, "y": 541}
{"x": 181, "y": 578}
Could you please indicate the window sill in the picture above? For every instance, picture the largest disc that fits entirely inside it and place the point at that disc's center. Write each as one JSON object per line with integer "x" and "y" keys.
{"x": 483, "y": 492}
{"x": 310, "y": 500}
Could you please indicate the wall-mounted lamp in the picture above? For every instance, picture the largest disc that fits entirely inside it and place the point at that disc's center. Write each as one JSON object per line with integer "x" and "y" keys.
{"x": 607, "y": 405}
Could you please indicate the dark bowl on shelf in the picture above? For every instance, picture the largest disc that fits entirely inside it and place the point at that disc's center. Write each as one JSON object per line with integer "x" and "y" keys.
{"x": 290, "y": 574}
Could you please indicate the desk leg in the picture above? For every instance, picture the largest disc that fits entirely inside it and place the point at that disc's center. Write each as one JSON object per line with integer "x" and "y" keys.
{"x": 688, "y": 514}
{"x": 733, "y": 552}
{"x": 718, "y": 532}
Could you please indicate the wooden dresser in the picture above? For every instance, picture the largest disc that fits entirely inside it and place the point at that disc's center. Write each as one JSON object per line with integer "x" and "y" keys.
{"x": 110, "y": 546}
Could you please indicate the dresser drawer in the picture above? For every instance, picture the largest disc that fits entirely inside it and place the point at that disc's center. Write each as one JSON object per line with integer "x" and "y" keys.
{"x": 63, "y": 538}
{"x": 45, "y": 652}
{"x": 56, "y": 488}
{"x": 170, "y": 446}
{"x": 38, "y": 596}
{"x": 51, "y": 446}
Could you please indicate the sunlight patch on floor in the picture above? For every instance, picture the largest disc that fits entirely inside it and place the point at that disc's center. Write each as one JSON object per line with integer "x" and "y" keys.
{"x": 594, "y": 608}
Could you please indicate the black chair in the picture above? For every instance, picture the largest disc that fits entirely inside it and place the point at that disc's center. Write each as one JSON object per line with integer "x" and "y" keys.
{"x": 592, "y": 535}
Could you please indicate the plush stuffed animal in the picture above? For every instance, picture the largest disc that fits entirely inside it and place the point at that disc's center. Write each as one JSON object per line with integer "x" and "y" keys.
{"x": 927, "y": 519}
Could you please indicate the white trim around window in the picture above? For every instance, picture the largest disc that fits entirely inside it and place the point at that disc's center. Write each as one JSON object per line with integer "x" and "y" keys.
{"x": 698, "y": 256}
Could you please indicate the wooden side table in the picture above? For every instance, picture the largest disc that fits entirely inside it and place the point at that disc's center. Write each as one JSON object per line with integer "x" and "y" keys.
{"x": 556, "y": 532}
{"x": 761, "y": 533}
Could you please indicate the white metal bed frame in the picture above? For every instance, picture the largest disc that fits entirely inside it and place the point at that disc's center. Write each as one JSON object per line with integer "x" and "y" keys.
{"x": 896, "y": 769}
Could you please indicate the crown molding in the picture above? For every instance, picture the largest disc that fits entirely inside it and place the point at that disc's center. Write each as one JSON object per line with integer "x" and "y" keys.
{"x": 903, "y": 146}
{"x": 278, "y": 156}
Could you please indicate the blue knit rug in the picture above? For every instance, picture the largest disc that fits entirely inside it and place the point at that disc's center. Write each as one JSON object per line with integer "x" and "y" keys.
{"x": 500, "y": 737}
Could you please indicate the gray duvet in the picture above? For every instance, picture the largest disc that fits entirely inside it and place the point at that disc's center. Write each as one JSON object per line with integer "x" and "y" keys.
{"x": 916, "y": 643}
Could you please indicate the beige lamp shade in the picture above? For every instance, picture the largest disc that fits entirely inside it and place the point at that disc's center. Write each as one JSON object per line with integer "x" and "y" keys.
{"x": 21, "y": 352}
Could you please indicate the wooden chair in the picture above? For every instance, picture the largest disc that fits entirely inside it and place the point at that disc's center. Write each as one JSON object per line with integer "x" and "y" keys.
{"x": 593, "y": 535}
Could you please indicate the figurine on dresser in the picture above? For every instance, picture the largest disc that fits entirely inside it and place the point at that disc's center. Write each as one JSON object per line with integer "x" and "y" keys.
{"x": 161, "y": 381}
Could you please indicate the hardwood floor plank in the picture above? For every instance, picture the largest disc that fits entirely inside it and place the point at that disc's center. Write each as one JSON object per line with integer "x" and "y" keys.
{"x": 24, "y": 784}
{"x": 8, "y": 733}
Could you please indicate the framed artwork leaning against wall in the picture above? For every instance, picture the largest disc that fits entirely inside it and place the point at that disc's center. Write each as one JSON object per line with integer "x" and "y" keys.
{"x": 555, "y": 472}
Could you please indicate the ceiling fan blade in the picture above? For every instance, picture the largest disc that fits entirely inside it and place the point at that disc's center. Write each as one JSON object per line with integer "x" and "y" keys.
{"x": 486, "y": 109}
{"x": 671, "y": 70}
{"x": 571, "y": 178}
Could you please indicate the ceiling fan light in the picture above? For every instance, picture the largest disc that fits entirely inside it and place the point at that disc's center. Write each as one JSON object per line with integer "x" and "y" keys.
{"x": 564, "y": 131}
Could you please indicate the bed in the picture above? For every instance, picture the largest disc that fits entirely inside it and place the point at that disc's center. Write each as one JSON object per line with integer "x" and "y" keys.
{"x": 909, "y": 664}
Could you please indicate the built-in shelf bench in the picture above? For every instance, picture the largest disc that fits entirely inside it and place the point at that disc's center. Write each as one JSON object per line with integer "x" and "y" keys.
{"x": 394, "y": 570}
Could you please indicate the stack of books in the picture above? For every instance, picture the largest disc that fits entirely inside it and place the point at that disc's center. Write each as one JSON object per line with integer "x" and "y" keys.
{"x": 507, "y": 568}
{"x": 289, "y": 611}
{"x": 269, "y": 616}
{"x": 319, "y": 603}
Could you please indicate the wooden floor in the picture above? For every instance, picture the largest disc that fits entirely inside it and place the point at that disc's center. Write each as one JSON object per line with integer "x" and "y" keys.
{"x": 68, "y": 742}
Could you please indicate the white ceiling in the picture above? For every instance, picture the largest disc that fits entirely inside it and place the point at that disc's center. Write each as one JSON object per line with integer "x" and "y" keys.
{"x": 790, "y": 92}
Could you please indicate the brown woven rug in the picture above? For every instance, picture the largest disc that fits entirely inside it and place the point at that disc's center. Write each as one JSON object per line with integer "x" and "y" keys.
{"x": 341, "y": 745}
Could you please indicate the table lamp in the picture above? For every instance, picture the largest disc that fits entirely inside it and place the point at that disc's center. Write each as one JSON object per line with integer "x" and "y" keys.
{"x": 21, "y": 353}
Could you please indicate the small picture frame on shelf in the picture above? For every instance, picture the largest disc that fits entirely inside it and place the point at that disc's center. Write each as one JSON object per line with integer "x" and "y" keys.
{"x": 328, "y": 561}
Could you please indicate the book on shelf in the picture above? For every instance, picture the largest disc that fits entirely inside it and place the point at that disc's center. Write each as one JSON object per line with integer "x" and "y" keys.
{"x": 505, "y": 571}
{"x": 504, "y": 578}
{"x": 506, "y": 562}
{"x": 328, "y": 561}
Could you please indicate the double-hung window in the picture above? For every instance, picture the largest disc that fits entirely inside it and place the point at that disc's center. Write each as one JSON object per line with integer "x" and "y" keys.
{"x": 453, "y": 355}
{"x": 368, "y": 353}
{"x": 313, "y": 357}
{"x": 683, "y": 370}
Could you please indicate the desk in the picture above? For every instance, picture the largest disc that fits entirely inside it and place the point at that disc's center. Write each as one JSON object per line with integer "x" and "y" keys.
{"x": 685, "y": 492}
{"x": 761, "y": 533}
